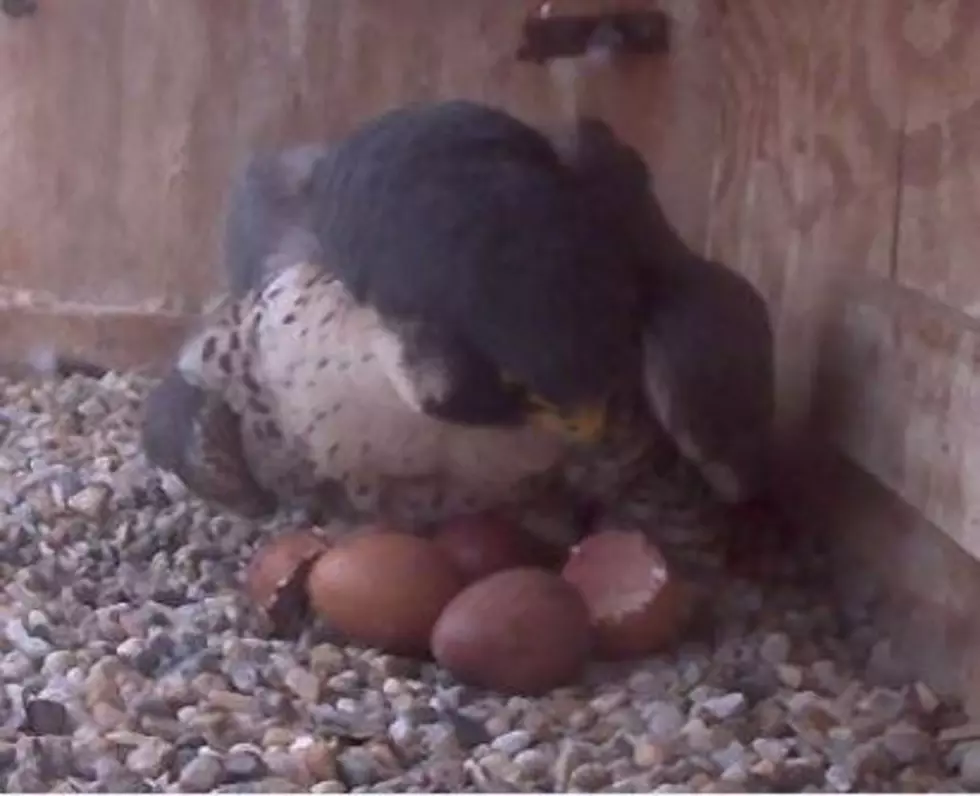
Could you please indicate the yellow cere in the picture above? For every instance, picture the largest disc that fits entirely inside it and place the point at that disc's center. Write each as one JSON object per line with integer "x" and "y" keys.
{"x": 584, "y": 424}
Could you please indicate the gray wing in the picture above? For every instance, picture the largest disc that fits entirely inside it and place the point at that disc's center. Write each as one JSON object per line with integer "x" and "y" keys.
{"x": 267, "y": 219}
{"x": 708, "y": 374}
{"x": 462, "y": 219}
{"x": 707, "y": 341}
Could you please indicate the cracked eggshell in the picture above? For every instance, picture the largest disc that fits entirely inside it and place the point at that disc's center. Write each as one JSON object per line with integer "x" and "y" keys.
{"x": 637, "y": 605}
{"x": 521, "y": 631}
{"x": 275, "y": 577}
{"x": 384, "y": 589}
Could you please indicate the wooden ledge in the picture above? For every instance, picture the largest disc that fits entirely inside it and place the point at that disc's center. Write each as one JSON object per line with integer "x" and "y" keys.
{"x": 927, "y": 588}
{"x": 107, "y": 338}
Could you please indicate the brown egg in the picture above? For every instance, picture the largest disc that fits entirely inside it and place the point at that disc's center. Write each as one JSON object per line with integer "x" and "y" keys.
{"x": 522, "y": 631}
{"x": 637, "y": 605}
{"x": 481, "y": 544}
{"x": 384, "y": 589}
{"x": 275, "y": 577}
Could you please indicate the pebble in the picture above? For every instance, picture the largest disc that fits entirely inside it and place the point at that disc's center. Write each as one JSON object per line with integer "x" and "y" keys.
{"x": 969, "y": 765}
{"x": 58, "y": 662}
{"x": 303, "y": 684}
{"x": 571, "y": 755}
{"x": 16, "y": 666}
{"x": 358, "y": 767}
{"x": 243, "y": 765}
{"x": 91, "y": 501}
{"x": 735, "y": 773}
{"x": 648, "y": 755}
{"x": 664, "y": 720}
{"x": 46, "y": 717}
{"x": 826, "y": 677}
{"x": 130, "y": 648}
{"x": 202, "y": 774}
{"x": 243, "y": 677}
{"x": 928, "y": 701}
{"x": 288, "y": 767}
{"x": 907, "y": 744}
{"x": 771, "y": 749}
{"x": 150, "y": 757}
{"x": 497, "y": 725}
{"x": 320, "y": 758}
{"x": 839, "y": 778}
{"x": 775, "y": 648}
{"x": 729, "y": 755}
{"x": 33, "y": 647}
{"x": 790, "y": 676}
{"x": 510, "y": 743}
{"x": 326, "y": 660}
{"x": 589, "y": 778}
{"x": 230, "y": 701}
{"x": 698, "y": 735}
{"x": 277, "y": 736}
{"x": 130, "y": 659}
{"x": 329, "y": 786}
{"x": 726, "y": 706}
{"x": 534, "y": 763}
{"x": 607, "y": 703}
{"x": 763, "y": 769}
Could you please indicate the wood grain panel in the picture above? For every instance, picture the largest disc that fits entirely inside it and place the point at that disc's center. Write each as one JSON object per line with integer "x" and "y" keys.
{"x": 121, "y": 121}
{"x": 897, "y": 384}
{"x": 759, "y": 180}
{"x": 938, "y": 51}
{"x": 764, "y": 139}
{"x": 805, "y": 180}
{"x": 848, "y": 217}
{"x": 906, "y": 401}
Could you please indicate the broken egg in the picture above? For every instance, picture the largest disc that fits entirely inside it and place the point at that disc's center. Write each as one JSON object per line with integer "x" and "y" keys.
{"x": 520, "y": 631}
{"x": 276, "y": 577}
{"x": 638, "y": 606}
{"x": 384, "y": 589}
{"x": 482, "y": 544}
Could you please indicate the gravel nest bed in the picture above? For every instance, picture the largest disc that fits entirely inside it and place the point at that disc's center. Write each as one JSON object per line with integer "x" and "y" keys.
{"x": 131, "y": 661}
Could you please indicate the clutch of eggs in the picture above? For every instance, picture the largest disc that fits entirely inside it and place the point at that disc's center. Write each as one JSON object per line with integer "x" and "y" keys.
{"x": 478, "y": 597}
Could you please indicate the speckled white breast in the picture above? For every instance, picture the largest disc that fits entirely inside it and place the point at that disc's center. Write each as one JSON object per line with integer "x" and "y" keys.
{"x": 327, "y": 366}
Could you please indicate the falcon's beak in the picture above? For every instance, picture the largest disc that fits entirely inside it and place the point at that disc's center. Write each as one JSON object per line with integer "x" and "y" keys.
{"x": 584, "y": 424}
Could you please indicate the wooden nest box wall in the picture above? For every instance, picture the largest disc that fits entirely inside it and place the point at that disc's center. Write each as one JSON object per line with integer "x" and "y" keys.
{"x": 826, "y": 150}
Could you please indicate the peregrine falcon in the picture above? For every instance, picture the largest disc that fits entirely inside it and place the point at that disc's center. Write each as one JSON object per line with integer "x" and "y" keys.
{"x": 446, "y": 311}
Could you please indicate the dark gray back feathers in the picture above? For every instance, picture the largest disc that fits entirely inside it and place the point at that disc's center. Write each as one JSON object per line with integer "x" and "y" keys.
{"x": 465, "y": 218}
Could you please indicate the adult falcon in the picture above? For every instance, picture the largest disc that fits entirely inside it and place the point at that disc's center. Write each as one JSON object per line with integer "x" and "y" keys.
{"x": 446, "y": 311}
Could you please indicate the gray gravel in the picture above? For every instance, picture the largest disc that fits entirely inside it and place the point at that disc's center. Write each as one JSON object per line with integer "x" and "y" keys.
{"x": 130, "y": 661}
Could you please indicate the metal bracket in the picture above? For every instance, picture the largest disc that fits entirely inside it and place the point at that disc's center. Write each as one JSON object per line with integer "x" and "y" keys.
{"x": 547, "y": 36}
{"x": 15, "y": 9}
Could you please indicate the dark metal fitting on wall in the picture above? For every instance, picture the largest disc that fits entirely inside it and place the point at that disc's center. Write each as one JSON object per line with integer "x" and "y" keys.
{"x": 547, "y": 35}
{"x": 15, "y": 9}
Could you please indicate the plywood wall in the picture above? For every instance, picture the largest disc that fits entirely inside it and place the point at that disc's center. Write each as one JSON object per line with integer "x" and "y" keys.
{"x": 847, "y": 185}
{"x": 121, "y": 122}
